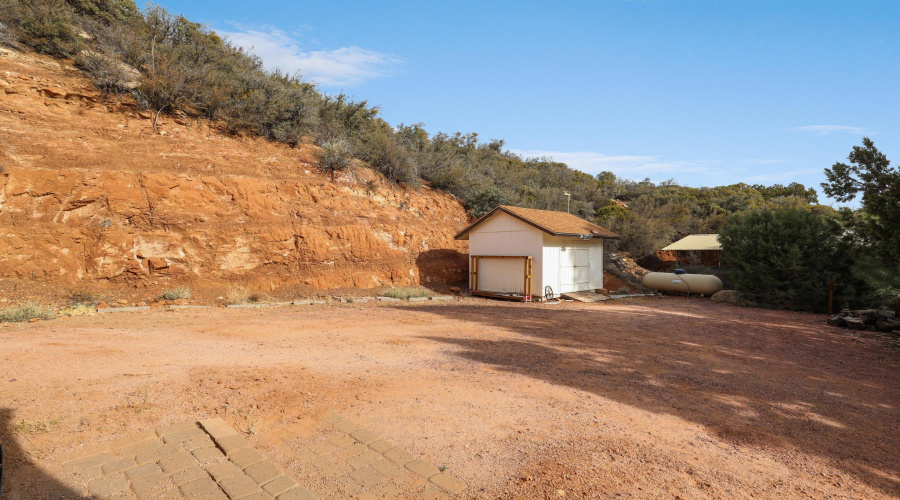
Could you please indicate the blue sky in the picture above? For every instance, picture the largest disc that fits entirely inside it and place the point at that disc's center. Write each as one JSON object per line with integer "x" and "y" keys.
{"x": 706, "y": 92}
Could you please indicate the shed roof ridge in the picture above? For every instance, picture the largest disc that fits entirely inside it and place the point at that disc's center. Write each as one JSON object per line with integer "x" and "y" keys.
{"x": 554, "y": 223}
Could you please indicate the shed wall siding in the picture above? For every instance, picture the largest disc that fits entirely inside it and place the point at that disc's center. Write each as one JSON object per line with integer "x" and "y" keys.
{"x": 503, "y": 234}
{"x": 556, "y": 259}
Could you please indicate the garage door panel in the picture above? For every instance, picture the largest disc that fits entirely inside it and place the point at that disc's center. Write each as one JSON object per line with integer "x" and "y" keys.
{"x": 501, "y": 275}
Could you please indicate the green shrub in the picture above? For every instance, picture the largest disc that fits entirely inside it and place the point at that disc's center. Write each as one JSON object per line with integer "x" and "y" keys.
{"x": 175, "y": 294}
{"x": 47, "y": 26}
{"x": 106, "y": 72}
{"x": 334, "y": 156}
{"x": 390, "y": 154}
{"x": 107, "y": 11}
{"x": 82, "y": 297}
{"x": 780, "y": 258}
{"x": 407, "y": 292}
{"x": 25, "y": 312}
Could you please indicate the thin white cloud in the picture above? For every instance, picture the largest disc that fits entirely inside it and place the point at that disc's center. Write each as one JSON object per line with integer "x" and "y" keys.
{"x": 830, "y": 129}
{"x": 625, "y": 166}
{"x": 765, "y": 161}
{"x": 342, "y": 67}
{"x": 772, "y": 177}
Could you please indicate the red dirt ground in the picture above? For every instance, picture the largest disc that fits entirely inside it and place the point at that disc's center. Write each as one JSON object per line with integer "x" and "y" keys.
{"x": 659, "y": 398}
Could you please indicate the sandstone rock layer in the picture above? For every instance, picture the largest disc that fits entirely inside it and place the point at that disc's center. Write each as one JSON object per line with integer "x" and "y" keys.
{"x": 88, "y": 191}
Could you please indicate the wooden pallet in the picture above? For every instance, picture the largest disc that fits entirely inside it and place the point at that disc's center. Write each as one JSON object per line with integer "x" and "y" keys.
{"x": 585, "y": 296}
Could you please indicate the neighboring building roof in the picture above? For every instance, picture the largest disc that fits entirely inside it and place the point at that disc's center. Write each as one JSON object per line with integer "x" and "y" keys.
{"x": 697, "y": 242}
{"x": 550, "y": 222}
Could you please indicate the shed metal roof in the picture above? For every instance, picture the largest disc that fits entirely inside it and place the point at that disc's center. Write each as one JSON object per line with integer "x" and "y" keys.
{"x": 696, "y": 242}
{"x": 553, "y": 223}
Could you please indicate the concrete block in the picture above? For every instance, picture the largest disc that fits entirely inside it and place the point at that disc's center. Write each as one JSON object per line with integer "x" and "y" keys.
{"x": 279, "y": 485}
{"x": 422, "y": 468}
{"x": 111, "y": 310}
{"x": 239, "y": 486}
{"x": 142, "y": 470}
{"x": 217, "y": 428}
{"x": 345, "y": 425}
{"x": 398, "y": 456}
{"x": 246, "y": 306}
{"x": 131, "y": 440}
{"x": 173, "y": 428}
{"x": 204, "y": 488}
{"x": 91, "y": 461}
{"x": 118, "y": 465}
{"x": 259, "y": 495}
{"x": 230, "y": 444}
{"x": 158, "y": 453}
{"x": 246, "y": 457}
{"x": 341, "y": 440}
{"x": 263, "y": 472}
{"x": 169, "y": 494}
{"x": 367, "y": 476}
{"x": 442, "y": 297}
{"x": 176, "y": 462}
{"x": 363, "y": 459}
{"x": 298, "y": 493}
{"x": 147, "y": 486}
{"x": 387, "y": 468}
{"x": 221, "y": 470}
{"x": 448, "y": 483}
{"x": 364, "y": 436}
{"x": 198, "y": 442}
{"x": 418, "y": 299}
{"x": 187, "y": 475}
{"x": 108, "y": 485}
{"x": 141, "y": 447}
{"x": 208, "y": 455}
{"x": 380, "y": 446}
{"x": 178, "y": 437}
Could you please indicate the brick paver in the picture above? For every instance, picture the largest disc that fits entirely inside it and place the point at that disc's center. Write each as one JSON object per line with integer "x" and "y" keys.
{"x": 210, "y": 460}
{"x": 343, "y": 459}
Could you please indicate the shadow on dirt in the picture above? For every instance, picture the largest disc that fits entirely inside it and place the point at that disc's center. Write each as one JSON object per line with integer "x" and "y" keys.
{"x": 22, "y": 478}
{"x": 441, "y": 269}
{"x": 777, "y": 380}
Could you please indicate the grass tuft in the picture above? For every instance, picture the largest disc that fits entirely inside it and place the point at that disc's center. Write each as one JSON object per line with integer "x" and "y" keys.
{"x": 242, "y": 295}
{"x": 82, "y": 297}
{"x": 25, "y": 312}
{"x": 175, "y": 294}
{"x": 34, "y": 426}
{"x": 406, "y": 292}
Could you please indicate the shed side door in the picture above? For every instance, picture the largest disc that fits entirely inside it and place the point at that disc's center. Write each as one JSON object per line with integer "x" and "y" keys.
{"x": 582, "y": 269}
{"x": 575, "y": 269}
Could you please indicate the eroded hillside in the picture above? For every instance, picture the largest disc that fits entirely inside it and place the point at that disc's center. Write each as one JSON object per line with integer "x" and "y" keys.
{"x": 90, "y": 193}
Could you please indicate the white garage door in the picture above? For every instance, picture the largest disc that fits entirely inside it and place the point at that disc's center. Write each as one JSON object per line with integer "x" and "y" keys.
{"x": 575, "y": 269}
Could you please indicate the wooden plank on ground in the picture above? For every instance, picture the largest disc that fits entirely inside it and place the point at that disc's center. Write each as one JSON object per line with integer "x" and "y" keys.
{"x": 585, "y": 296}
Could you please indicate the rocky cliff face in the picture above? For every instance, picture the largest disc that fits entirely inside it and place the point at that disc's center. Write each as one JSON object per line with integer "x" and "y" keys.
{"x": 88, "y": 191}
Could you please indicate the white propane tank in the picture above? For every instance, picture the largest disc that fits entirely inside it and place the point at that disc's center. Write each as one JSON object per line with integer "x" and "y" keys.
{"x": 683, "y": 283}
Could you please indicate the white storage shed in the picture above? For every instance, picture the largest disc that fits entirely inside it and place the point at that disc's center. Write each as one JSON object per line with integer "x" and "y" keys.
{"x": 531, "y": 254}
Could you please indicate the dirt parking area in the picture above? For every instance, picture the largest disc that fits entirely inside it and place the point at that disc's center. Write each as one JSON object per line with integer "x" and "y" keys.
{"x": 644, "y": 398}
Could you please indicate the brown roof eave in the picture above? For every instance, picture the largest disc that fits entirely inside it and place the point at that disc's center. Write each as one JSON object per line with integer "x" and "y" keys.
{"x": 484, "y": 217}
{"x": 464, "y": 232}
